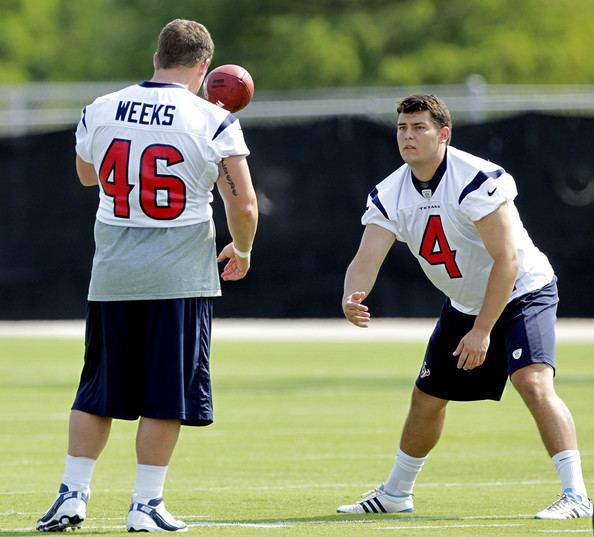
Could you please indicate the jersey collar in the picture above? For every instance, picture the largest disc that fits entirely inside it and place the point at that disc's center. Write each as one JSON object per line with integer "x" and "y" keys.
{"x": 150, "y": 84}
{"x": 428, "y": 188}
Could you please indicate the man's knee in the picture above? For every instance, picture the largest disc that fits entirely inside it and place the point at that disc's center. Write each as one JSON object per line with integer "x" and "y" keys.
{"x": 534, "y": 382}
{"x": 423, "y": 403}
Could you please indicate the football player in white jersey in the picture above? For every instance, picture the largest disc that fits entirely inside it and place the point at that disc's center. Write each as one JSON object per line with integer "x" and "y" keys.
{"x": 456, "y": 214}
{"x": 156, "y": 150}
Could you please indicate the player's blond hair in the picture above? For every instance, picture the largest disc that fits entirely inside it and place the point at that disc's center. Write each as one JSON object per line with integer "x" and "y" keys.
{"x": 424, "y": 101}
{"x": 183, "y": 43}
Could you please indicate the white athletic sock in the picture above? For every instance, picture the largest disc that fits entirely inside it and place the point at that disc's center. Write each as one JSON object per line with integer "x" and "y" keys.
{"x": 569, "y": 466}
{"x": 402, "y": 479}
{"x": 150, "y": 481}
{"x": 78, "y": 473}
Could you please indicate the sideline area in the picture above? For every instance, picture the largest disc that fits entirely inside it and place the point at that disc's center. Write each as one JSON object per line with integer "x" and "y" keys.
{"x": 382, "y": 329}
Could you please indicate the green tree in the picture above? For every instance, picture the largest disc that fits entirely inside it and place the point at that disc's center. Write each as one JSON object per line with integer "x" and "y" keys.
{"x": 288, "y": 44}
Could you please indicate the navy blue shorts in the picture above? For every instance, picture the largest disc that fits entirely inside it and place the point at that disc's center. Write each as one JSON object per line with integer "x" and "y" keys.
{"x": 523, "y": 335}
{"x": 148, "y": 358}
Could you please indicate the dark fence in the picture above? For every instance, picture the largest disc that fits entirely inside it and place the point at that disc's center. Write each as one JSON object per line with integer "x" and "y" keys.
{"x": 312, "y": 180}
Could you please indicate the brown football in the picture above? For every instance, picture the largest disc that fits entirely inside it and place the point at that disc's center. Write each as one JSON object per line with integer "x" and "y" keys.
{"x": 229, "y": 86}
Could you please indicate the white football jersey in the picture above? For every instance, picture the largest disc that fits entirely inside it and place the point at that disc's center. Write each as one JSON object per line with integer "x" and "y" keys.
{"x": 439, "y": 229}
{"x": 156, "y": 149}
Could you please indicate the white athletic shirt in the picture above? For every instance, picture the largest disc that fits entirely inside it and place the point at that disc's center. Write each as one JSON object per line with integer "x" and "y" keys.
{"x": 439, "y": 229}
{"x": 156, "y": 149}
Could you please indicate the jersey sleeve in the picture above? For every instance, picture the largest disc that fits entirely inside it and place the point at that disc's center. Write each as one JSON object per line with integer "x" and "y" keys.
{"x": 227, "y": 140}
{"x": 486, "y": 192}
{"x": 84, "y": 137}
{"x": 375, "y": 213}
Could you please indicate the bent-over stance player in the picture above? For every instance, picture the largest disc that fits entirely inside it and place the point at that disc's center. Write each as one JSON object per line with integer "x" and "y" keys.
{"x": 156, "y": 150}
{"x": 455, "y": 212}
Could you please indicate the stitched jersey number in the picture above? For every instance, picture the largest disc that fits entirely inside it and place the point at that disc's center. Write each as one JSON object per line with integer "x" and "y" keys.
{"x": 435, "y": 248}
{"x": 114, "y": 171}
{"x": 116, "y": 161}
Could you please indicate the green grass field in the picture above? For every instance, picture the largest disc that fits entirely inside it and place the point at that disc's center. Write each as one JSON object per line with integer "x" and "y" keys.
{"x": 300, "y": 428}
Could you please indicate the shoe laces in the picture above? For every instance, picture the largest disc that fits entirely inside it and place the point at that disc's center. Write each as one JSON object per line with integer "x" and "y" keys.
{"x": 380, "y": 491}
{"x": 565, "y": 498}
{"x": 372, "y": 492}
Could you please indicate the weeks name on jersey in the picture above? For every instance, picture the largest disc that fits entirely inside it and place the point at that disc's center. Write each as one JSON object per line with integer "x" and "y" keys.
{"x": 145, "y": 113}
{"x": 146, "y": 141}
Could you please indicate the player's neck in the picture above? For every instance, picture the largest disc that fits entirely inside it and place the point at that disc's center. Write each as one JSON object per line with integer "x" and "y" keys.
{"x": 190, "y": 78}
{"x": 172, "y": 76}
{"x": 425, "y": 171}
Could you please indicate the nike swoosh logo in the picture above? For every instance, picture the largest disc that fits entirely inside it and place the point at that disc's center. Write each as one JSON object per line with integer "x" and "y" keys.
{"x": 491, "y": 192}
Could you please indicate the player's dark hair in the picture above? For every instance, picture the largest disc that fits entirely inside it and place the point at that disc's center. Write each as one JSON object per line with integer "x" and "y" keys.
{"x": 183, "y": 43}
{"x": 424, "y": 101}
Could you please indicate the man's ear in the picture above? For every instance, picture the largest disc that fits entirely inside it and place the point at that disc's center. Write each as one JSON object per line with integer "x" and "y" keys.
{"x": 203, "y": 66}
{"x": 444, "y": 135}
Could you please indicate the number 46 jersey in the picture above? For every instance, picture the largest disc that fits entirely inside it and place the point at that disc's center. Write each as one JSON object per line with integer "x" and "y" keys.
{"x": 439, "y": 228}
{"x": 156, "y": 149}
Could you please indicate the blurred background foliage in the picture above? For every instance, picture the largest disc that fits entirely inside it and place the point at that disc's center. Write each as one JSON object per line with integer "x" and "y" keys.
{"x": 296, "y": 44}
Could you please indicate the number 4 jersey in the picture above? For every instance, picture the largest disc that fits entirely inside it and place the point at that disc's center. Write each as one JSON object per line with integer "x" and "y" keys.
{"x": 156, "y": 149}
{"x": 438, "y": 226}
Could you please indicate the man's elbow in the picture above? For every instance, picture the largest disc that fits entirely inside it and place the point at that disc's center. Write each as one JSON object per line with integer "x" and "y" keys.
{"x": 247, "y": 211}
{"x": 88, "y": 181}
{"x": 515, "y": 265}
{"x": 511, "y": 262}
{"x": 86, "y": 172}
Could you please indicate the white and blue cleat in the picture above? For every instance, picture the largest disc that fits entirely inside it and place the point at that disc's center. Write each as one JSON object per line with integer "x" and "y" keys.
{"x": 68, "y": 511}
{"x": 569, "y": 505}
{"x": 379, "y": 501}
{"x": 152, "y": 516}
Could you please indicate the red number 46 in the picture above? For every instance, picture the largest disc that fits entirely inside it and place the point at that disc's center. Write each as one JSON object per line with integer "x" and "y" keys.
{"x": 435, "y": 248}
{"x": 114, "y": 176}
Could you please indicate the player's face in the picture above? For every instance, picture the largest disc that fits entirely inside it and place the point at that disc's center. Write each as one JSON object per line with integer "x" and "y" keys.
{"x": 420, "y": 141}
